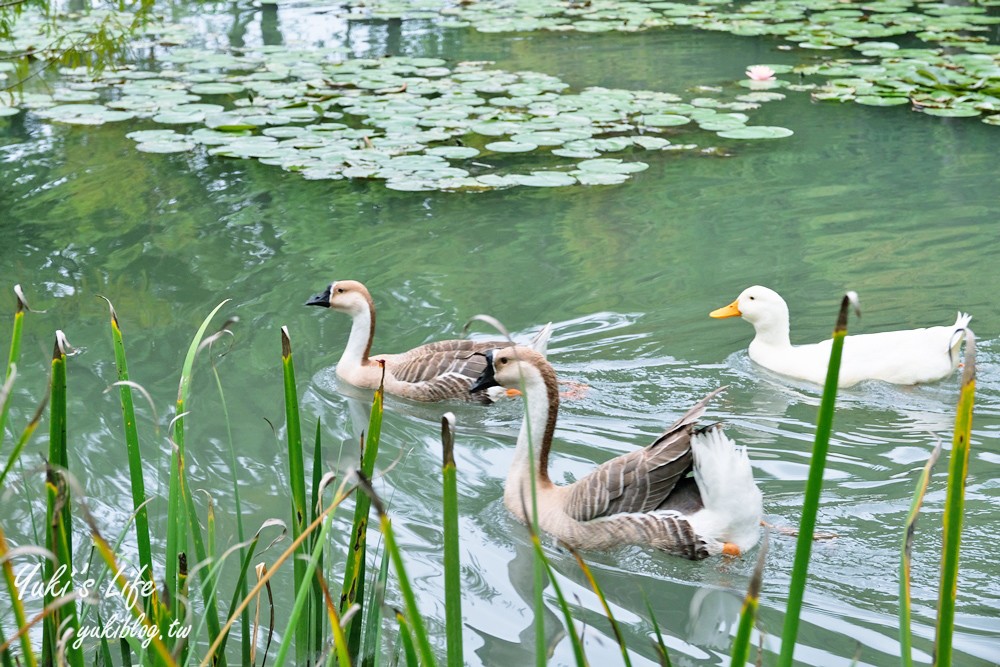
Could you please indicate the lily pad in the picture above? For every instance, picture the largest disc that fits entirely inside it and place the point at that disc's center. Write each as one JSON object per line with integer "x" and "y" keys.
{"x": 757, "y": 132}
{"x": 165, "y": 146}
{"x": 510, "y": 147}
{"x": 453, "y": 152}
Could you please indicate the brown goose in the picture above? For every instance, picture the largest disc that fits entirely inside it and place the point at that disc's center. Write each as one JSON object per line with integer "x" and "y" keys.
{"x": 645, "y": 497}
{"x": 432, "y": 372}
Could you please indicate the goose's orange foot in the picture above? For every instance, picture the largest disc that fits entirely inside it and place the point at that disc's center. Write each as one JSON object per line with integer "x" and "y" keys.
{"x": 574, "y": 390}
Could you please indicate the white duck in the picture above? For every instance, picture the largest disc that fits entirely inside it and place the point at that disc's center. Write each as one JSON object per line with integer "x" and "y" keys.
{"x": 910, "y": 356}
{"x": 431, "y": 372}
{"x": 645, "y": 497}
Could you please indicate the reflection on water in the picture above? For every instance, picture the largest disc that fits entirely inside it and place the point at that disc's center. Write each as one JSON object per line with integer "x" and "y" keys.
{"x": 898, "y": 208}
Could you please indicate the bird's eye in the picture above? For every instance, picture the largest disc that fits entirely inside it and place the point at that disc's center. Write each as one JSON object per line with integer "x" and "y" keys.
{"x": 503, "y": 360}
{"x": 340, "y": 290}
{"x": 751, "y": 298}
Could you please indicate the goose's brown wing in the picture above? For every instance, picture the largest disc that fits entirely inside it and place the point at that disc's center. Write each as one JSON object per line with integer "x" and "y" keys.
{"x": 640, "y": 481}
{"x": 442, "y": 370}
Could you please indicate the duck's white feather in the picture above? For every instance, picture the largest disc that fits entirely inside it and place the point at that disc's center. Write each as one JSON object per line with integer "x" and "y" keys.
{"x": 910, "y": 356}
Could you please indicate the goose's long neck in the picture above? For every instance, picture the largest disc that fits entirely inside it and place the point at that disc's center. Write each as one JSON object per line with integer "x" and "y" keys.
{"x": 359, "y": 343}
{"x": 541, "y": 397}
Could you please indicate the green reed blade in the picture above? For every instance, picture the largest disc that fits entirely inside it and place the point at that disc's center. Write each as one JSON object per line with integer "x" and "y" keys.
{"x": 208, "y": 582}
{"x": 106, "y": 660}
{"x": 58, "y": 517}
{"x": 177, "y": 517}
{"x": 814, "y": 485}
{"x": 452, "y": 552}
{"x": 748, "y": 615}
{"x": 318, "y": 598}
{"x": 27, "y": 652}
{"x": 578, "y": 654}
{"x": 353, "y": 591}
{"x": 604, "y": 603}
{"x": 126, "y": 653}
{"x": 241, "y": 588}
{"x": 412, "y": 611}
{"x": 297, "y": 481}
{"x": 659, "y": 644}
{"x": 954, "y": 506}
{"x": 15, "y": 349}
{"x": 905, "y": 634}
{"x": 107, "y": 554}
{"x": 6, "y": 657}
{"x": 371, "y": 656}
{"x": 29, "y": 430}
{"x": 406, "y": 639}
{"x": 135, "y": 468}
{"x": 303, "y": 591}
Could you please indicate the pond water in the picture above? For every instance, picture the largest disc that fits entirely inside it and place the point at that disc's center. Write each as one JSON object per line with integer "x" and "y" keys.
{"x": 899, "y": 206}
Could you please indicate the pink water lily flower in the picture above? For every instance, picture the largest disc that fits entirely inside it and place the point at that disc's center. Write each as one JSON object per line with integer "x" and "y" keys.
{"x": 760, "y": 73}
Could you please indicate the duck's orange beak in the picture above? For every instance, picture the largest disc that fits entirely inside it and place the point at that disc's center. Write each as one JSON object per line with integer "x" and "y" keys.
{"x": 730, "y": 549}
{"x": 511, "y": 393}
{"x": 732, "y": 310}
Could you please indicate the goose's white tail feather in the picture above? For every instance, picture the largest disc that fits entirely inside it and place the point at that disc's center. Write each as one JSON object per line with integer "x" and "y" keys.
{"x": 733, "y": 505}
{"x": 540, "y": 342}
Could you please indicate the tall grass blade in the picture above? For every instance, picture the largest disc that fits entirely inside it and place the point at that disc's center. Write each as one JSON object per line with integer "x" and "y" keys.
{"x": 371, "y": 656}
{"x": 177, "y": 517}
{"x": 413, "y": 616}
{"x": 264, "y": 580}
{"x": 406, "y": 639}
{"x": 27, "y": 652}
{"x": 814, "y": 485}
{"x": 297, "y": 481}
{"x": 353, "y": 590}
{"x": 661, "y": 646}
{"x": 29, "y": 430}
{"x": 318, "y": 583}
{"x": 578, "y": 654}
{"x": 15, "y": 350}
{"x": 303, "y": 593}
{"x": 108, "y": 555}
{"x": 242, "y": 587}
{"x": 58, "y": 517}
{"x": 604, "y": 603}
{"x": 905, "y": 635}
{"x": 748, "y": 615}
{"x": 954, "y": 506}
{"x": 134, "y": 456}
{"x": 452, "y": 552}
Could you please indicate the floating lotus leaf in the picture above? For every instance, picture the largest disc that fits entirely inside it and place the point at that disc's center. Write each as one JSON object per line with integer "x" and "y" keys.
{"x": 85, "y": 114}
{"x": 665, "y": 120}
{"x": 165, "y": 146}
{"x": 453, "y": 152}
{"x": 757, "y": 132}
{"x": 877, "y": 101}
{"x": 155, "y": 135}
{"x": 217, "y": 88}
{"x": 954, "y": 112}
{"x": 544, "y": 179}
{"x": 595, "y": 178}
{"x": 650, "y": 143}
{"x": 611, "y": 166}
{"x": 65, "y": 95}
{"x": 510, "y": 147}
